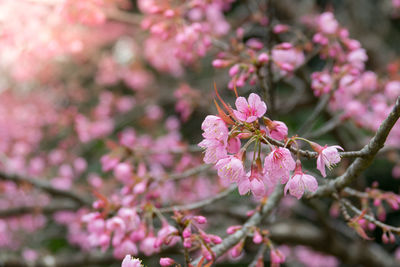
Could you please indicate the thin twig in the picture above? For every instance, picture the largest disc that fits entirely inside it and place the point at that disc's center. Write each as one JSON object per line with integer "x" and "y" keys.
{"x": 260, "y": 253}
{"x": 309, "y": 122}
{"x": 370, "y": 218}
{"x": 190, "y": 172}
{"x": 312, "y": 154}
{"x": 329, "y": 126}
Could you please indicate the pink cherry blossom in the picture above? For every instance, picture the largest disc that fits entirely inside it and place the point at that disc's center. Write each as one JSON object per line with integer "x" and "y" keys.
{"x": 327, "y": 156}
{"x": 214, "y": 128}
{"x": 230, "y": 168}
{"x": 252, "y": 182}
{"x": 300, "y": 182}
{"x": 215, "y": 150}
{"x": 148, "y": 245}
{"x": 131, "y": 262}
{"x": 250, "y": 110}
{"x": 233, "y": 145}
{"x": 278, "y": 164}
{"x": 328, "y": 23}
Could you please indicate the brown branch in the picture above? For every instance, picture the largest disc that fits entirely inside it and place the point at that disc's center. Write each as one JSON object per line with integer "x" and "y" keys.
{"x": 360, "y": 164}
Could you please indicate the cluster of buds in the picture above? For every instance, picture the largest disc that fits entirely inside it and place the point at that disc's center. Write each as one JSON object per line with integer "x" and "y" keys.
{"x": 259, "y": 236}
{"x": 193, "y": 237}
{"x": 284, "y": 58}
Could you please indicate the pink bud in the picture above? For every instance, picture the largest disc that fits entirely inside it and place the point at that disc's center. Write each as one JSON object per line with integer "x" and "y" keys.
{"x": 237, "y": 250}
{"x": 392, "y": 239}
{"x": 220, "y": 63}
{"x": 234, "y": 70}
{"x": 263, "y": 58}
{"x": 257, "y": 238}
{"x": 187, "y": 243}
{"x": 187, "y": 232}
{"x": 165, "y": 262}
{"x": 123, "y": 172}
{"x": 206, "y": 254}
{"x": 215, "y": 239}
{"x": 254, "y": 44}
{"x": 277, "y": 256}
{"x": 140, "y": 187}
{"x": 280, "y": 28}
{"x": 200, "y": 219}
{"x": 385, "y": 238}
{"x": 232, "y": 229}
{"x": 287, "y": 67}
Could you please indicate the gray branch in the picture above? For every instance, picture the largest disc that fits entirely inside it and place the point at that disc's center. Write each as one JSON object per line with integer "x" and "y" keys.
{"x": 360, "y": 164}
{"x": 254, "y": 220}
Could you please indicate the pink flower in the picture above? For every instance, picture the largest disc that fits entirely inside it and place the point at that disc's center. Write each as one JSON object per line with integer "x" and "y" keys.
{"x": 214, "y": 128}
{"x": 215, "y": 150}
{"x": 233, "y": 145}
{"x": 230, "y": 168}
{"x": 327, "y": 156}
{"x": 123, "y": 172}
{"x": 148, "y": 245}
{"x": 300, "y": 182}
{"x": 131, "y": 262}
{"x": 250, "y": 110}
{"x": 328, "y": 23}
{"x": 126, "y": 247}
{"x": 253, "y": 183}
{"x": 278, "y": 164}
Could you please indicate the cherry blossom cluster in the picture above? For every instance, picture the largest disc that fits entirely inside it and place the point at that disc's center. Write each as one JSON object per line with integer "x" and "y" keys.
{"x": 182, "y": 32}
{"x": 357, "y": 94}
{"x": 187, "y": 100}
{"x": 131, "y": 72}
{"x": 223, "y": 148}
{"x": 101, "y": 122}
{"x": 139, "y": 163}
{"x": 246, "y": 60}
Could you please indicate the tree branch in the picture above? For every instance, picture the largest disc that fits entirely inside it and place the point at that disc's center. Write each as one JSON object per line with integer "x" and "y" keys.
{"x": 254, "y": 220}
{"x": 360, "y": 164}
